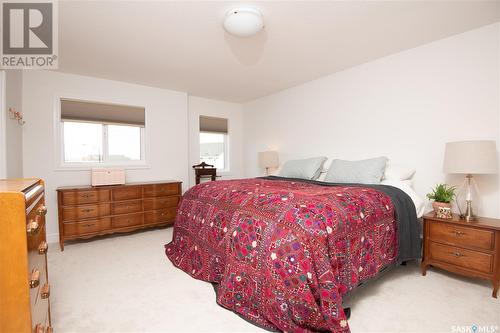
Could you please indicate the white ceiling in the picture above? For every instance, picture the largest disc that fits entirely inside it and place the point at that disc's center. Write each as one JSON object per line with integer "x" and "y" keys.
{"x": 182, "y": 46}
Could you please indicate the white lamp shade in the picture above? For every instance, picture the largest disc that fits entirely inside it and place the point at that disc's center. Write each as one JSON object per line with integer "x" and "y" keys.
{"x": 471, "y": 157}
{"x": 243, "y": 22}
{"x": 268, "y": 159}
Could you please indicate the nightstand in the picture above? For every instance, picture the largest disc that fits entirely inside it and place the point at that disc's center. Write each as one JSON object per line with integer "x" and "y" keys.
{"x": 467, "y": 248}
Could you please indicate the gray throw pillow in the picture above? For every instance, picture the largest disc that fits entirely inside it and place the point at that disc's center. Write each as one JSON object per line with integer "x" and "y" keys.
{"x": 309, "y": 168}
{"x": 363, "y": 172}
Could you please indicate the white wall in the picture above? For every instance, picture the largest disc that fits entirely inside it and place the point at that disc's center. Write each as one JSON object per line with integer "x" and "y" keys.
{"x": 13, "y": 130}
{"x": 166, "y": 127}
{"x": 404, "y": 106}
{"x": 233, "y": 113}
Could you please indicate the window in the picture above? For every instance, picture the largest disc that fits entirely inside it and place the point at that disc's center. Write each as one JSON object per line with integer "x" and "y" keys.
{"x": 124, "y": 143}
{"x": 213, "y": 149}
{"x": 101, "y": 134}
{"x": 82, "y": 142}
{"x": 99, "y": 143}
{"x": 214, "y": 142}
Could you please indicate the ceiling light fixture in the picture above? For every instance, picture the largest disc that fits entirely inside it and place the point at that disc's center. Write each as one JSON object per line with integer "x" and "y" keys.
{"x": 243, "y": 21}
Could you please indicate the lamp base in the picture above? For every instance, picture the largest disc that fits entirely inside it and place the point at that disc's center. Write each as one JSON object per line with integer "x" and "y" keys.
{"x": 468, "y": 215}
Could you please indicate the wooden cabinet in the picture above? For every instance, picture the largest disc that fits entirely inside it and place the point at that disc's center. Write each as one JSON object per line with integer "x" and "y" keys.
{"x": 86, "y": 211}
{"x": 24, "y": 279}
{"x": 467, "y": 248}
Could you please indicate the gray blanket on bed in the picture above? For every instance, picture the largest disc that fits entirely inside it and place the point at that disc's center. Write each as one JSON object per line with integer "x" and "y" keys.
{"x": 409, "y": 228}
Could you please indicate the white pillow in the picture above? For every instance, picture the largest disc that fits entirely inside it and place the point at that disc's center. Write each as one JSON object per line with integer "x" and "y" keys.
{"x": 308, "y": 168}
{"x": 322, "y": 175}
{"x": 394, "y": 171}
{"x": 405, "y": 186}
{"x": 369, "y": 171}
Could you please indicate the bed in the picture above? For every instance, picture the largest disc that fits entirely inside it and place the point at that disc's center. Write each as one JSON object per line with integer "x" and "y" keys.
{"x": 282, "y": 252}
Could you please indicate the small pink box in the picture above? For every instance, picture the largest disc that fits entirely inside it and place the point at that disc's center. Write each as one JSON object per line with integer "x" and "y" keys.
{"x": 107, "y": 176}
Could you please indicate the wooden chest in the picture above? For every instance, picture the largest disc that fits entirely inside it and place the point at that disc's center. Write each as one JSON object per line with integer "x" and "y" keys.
{"x": 468, "y": 248}
{"x": 86, "y": 211}
{"x": 24, "y": 282}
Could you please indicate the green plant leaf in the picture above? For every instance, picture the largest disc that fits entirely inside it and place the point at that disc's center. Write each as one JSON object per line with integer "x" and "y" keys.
{"x": 442, "y": 193}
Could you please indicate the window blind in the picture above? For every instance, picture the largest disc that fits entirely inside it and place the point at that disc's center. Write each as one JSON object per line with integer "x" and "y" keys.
{"x": 73, "y": 110}
{"x": 213, "y": 124}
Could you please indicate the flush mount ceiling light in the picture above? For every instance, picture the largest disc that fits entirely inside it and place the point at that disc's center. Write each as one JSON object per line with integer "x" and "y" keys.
{"x": 243, "y": 22}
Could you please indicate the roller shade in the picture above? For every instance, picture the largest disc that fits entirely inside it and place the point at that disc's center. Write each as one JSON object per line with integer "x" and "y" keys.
{"x": 103, "y": 113}
{"x": 213, "y": 124}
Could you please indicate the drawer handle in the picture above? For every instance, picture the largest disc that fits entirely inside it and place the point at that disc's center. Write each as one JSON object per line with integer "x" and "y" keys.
{"x": 87, "y": 195}
{"x": 458, "y": 233}
{"x": 39, "y": 329}
{"x": 457, "y": 254}
{"x": 43, "y": 247}
{"x": 45, "y": 291}
{"x": 42, "y": 210}
{"x": 35, "y": 278}
{"x": 88, "y": 225}
{"x": 88, "y": 210}
{"x": 32, "y": 227}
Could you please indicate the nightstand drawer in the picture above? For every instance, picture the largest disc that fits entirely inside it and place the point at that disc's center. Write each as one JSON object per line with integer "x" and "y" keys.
{"x": 462, "y": 236}
{"x": 472, "y": 260}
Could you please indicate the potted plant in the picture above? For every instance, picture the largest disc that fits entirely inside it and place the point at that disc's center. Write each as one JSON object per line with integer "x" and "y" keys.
{"x": 442, "y": 195}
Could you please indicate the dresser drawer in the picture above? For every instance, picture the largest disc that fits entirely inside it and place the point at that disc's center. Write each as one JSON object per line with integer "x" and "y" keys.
{"x": 87, "y": 227}
{"x": 127, "y": 207}
{"x": 462, "y": 236}
{"x": 36, "y": 253}
{"x": 40, "y": 309}
{"x": 161, "y": 202}
{"x": 160, "y": 216}
{"x": 35, "y": 289}
{"x": 35, "y": 259}
{"x": 127, "y": 220}
{"x": 127, "y": 193}
{"x": 85, "y": 197}
{"x": 85, "y": 212}
{"x": 40, "y": 319}
{"x": 472, "y": 260}
{"x": 35, "y": 228}
{"x": 36, "y": 285}
{"x": 157, "y": 190}
{"x": 34, "y": 240}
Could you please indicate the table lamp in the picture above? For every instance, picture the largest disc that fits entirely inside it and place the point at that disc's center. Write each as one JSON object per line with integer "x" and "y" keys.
{"x": 470, "y": 158}
{"x": 268, "y": 159}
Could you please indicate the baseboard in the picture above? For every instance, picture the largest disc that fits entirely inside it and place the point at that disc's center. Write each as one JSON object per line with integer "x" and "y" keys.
{"x": 52, "y": 238}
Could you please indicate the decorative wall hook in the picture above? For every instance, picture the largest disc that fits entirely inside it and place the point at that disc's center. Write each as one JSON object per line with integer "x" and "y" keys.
{"x": 13, "y": 114}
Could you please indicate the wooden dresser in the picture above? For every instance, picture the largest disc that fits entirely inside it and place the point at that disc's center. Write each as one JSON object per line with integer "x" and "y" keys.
{"x": 467, "y": 248}
{"x": 86, "y": 211}
{"x": 25, "y": 291}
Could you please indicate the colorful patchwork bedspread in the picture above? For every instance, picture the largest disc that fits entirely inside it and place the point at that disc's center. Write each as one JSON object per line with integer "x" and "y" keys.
{"x": 283, "y": 253}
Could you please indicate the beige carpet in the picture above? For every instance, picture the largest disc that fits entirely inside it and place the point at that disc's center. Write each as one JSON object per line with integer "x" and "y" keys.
{"x": 126, "y": 284}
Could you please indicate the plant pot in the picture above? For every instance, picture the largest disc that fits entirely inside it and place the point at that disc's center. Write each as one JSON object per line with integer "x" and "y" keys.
{"x": 437, "y": 205}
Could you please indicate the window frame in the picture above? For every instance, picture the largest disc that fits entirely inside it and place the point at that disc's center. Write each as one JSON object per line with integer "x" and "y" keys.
{"x": 226, "y": 150}
{"x": 62, "y": 165}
